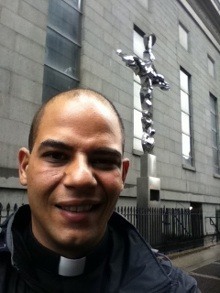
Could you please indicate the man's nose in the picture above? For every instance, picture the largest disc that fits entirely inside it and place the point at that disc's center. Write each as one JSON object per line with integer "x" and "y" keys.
{"x": 79, "y": 173}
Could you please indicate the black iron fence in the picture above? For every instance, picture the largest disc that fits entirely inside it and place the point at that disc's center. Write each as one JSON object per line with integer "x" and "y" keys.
{"x": 215, "y": 222}
{"x": 7, "y": 210}
{"x": 164, "y": 228}
{"x": 167, "y": 229}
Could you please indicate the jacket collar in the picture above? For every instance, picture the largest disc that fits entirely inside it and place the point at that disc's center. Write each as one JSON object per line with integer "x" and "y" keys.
{"x": 132, "y": 266}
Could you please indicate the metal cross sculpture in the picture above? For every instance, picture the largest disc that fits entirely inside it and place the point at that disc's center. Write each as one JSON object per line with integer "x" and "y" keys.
{"x": 148, "y": 78}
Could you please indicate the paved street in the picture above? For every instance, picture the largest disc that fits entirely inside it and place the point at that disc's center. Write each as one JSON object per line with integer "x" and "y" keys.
{"x": 208, "y": 277}
{"x": 204, "y": 266}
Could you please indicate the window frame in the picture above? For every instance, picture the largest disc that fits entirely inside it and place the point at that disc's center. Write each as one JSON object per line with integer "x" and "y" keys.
{"x": 182, "y": 29}
{"x": 215, "y": 131}
{"x": 137, "y": 111}
{"x": 211, "y": 66}
{"x": 69, "y": 75}
{"x": 187, "y": 161}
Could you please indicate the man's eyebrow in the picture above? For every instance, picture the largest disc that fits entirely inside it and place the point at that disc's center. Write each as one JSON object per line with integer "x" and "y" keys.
{"x": 107, "y": 151}
{"x": 63, "y": 146}
{"x": 55, "y": 144}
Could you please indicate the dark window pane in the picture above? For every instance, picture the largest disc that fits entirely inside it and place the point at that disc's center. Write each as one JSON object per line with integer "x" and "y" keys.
{"x": 216, "y": 169}
{"x": 213, "y": 104}
{"x": 214, "y": 139}
{"x": 74, "y": 3}
{"x": 61, "y": 54}
{"x": 213, "y": 121}
{"x": 64, "y": 19}
{"x": 61, "y": 69}
{"x": 55, "y": 82}
{"x": 215, "y": 156}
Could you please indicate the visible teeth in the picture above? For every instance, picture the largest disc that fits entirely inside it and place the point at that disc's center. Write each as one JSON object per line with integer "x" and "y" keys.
{"x": 78, "y": 209}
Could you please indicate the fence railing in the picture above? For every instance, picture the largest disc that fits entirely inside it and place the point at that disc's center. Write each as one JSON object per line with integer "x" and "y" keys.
{"x": 165, "y": 228}
{"x": 5, "y": 212}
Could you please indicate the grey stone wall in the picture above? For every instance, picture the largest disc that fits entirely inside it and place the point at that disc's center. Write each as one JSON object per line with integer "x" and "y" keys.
{"x": 107, "y": 26}
{"x": 22, "y": 49}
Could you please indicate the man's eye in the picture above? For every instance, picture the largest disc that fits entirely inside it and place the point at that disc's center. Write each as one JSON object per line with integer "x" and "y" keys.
{"x": 106, "y": 164}
{"x": 55, "y": 157}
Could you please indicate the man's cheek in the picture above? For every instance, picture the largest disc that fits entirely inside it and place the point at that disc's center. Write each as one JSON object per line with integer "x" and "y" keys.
{"x": 46, "y": 174}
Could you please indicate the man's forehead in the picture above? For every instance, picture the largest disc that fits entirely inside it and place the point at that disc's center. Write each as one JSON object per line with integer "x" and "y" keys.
{"x": 63, "y": 117}
{"x": 57, "y": 109}
{"x": 65, "y": 102}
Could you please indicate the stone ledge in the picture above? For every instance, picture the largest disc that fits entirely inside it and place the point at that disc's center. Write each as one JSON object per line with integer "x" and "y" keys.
{"x": 10, "y": 183}
{"x": 189, "y": 251}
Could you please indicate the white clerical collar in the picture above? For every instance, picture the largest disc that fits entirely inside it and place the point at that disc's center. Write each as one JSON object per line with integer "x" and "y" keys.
{"x": 71, "y": 267}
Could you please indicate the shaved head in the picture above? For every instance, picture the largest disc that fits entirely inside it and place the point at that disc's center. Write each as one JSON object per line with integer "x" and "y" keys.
{"x": 81, "y": 95}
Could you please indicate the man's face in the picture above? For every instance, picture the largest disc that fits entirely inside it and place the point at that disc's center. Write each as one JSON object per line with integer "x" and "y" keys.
{"x": 74, "y": 175}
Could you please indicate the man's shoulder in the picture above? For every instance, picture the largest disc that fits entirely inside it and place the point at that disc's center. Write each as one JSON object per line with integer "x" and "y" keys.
{"x": 181, "y": 281}
{"x": 161, "y": 265}
{"x": 6, "y": 227}
{"x": 5, "y": 255}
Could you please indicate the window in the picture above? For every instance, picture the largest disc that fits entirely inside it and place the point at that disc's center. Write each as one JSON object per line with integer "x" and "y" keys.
{"x": 214, "y": 130}
{"x": 211, "y": 66}
{"x": 185, "y": 118}
{"x": 183, "y": 37}
{"x": 138, "y": 47}
{"x": 61, "y": 68}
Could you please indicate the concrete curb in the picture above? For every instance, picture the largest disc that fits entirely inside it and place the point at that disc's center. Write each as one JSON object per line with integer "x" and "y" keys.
{"x": 190, "y": 251}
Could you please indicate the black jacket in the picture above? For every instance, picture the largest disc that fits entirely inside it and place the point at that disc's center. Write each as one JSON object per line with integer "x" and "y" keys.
{"x": 130, "y": 266}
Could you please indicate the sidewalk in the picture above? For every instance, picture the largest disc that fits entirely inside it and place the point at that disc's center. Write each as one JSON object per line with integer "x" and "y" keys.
{"x": 203, "y": 264}
{"x": 195, "y": 258}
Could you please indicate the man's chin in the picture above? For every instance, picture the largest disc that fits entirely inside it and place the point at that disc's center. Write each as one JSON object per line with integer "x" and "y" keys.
{"x": 78, "y": 245}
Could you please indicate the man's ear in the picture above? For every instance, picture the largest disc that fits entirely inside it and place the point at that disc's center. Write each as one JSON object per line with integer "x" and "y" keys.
{"x": 23, "y": 159}
{"x": 125, "y": 167}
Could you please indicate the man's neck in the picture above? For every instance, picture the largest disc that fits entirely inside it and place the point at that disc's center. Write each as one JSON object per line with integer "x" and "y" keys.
{"x": 56, "y": 263}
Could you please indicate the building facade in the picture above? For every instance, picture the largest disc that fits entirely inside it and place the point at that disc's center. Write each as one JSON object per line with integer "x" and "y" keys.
{"x": 47, "y": 46}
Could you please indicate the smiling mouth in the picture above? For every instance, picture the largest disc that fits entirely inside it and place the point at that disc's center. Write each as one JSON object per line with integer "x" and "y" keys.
{"x": 76, "y": 209}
